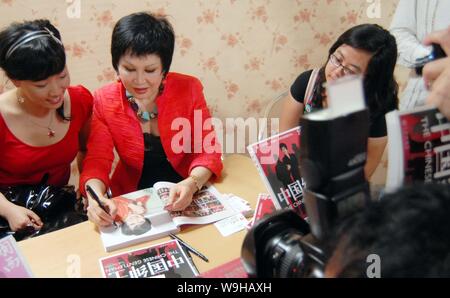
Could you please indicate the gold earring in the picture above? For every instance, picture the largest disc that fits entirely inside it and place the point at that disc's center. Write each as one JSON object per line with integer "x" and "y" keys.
{"x": 20, "y": 98}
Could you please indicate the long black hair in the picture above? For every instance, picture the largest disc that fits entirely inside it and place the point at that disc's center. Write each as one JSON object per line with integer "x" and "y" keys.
{"x": 35, "y": 60}
{"x": 380, "y": 86}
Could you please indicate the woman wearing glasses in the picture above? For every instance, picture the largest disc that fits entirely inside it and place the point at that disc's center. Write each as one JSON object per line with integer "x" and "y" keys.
{"x": 367, "y": 50}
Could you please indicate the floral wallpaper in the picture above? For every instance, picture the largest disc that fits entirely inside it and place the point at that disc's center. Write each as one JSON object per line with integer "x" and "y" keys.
{"x": 246, "y": 52}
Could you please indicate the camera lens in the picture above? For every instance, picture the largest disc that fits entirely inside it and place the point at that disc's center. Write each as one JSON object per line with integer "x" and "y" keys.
{"x": 285, "y": 255}
{"x": 273, "y": 248}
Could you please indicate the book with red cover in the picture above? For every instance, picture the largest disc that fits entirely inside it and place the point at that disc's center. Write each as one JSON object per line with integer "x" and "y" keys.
{"x": 419, "y": 147}
{"x": 277, "y": 161}
{"x": 166, "y": 259}
{"x": 232, "y": 269}
{"x": 264, "y": 207}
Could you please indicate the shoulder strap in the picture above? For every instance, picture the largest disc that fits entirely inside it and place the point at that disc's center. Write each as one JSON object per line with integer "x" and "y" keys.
{"x": 310, "y": 87}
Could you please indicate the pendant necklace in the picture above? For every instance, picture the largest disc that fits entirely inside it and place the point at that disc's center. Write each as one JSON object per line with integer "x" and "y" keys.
{"x": 50, "y": 131}
{"x": 144, "y": 116}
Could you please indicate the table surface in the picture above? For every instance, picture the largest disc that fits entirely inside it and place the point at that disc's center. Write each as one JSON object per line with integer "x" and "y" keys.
{"x": 75, "y": 251}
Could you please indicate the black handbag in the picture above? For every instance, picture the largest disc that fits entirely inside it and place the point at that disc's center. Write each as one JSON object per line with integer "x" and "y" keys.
{"x": 57, "y": 207}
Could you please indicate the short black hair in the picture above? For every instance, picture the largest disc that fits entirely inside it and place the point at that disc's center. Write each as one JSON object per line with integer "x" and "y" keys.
{"x": 283, "y": 145}
{"x": 35, "y": 60}
{"x": 139, "y": 230}
{"x": 141, "y": 34}
{"x": 409, "y": 230}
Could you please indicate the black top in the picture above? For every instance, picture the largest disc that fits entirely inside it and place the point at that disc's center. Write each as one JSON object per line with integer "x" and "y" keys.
{"x": 156, "y": 166}
{"x": 377, "y": 125}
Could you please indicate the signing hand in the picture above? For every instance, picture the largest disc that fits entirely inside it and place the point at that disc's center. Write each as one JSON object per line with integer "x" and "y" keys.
{"x": 97, "y": 215}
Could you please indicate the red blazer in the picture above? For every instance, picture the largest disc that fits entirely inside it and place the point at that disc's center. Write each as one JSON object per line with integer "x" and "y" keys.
{"x": 115, "y": 125}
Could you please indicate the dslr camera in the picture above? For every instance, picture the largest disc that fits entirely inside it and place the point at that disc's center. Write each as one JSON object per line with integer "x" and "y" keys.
{"x": 333, "y": 156}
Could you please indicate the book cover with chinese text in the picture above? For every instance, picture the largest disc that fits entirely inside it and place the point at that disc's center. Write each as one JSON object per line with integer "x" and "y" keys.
{"x": 277, "y": 160}
{"x": 12, "y": 263}
{"x": 419, "y": 147}
{"x": 166, "y": 260}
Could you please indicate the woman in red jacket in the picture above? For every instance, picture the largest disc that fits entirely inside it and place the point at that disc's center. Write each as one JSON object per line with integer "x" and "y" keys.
{"x": 156, "y": 120}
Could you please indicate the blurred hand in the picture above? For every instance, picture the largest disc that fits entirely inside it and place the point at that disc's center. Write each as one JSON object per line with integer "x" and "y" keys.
{"x": 437, "y": 73}
{"x": 20, "y": 218}
{"x": 97, "y": 215}
{"x": 181, "y": 195}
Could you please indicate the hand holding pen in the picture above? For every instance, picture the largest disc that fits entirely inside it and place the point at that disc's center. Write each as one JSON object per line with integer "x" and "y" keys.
{"x": 103, "y": 212}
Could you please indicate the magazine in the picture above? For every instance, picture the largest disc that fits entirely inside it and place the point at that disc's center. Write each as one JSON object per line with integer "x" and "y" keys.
{"x": 277, "y": 161}
{"x": 264, "y": 207}
{"x": 141, "y": 215}
{"x": 12, "y": 262}
{"x": 418, "y": 147}
{"x": 164, "y": 260}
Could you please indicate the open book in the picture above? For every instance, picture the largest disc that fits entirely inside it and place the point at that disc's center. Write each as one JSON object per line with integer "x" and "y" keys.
{"x": 141, "y": 215}
{"x": 163, "y": 260}
{"x": 277, "y": 161}
{"x": 418, "y": 147}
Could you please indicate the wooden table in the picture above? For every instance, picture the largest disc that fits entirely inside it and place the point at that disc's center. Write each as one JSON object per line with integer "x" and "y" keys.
{"x": 75, "y": 251}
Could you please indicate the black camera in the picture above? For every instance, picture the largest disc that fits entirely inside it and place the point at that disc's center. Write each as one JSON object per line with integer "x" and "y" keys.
{"x": 435, "y": 54}
{"x": 332, "y": 159}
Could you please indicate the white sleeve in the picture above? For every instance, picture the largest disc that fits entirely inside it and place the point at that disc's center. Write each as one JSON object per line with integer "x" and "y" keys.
{"x": 404, "y": 29}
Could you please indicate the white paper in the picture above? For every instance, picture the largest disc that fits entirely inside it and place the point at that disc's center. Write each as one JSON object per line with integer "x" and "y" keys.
{"x": 231, "y": 225}
{"x": 346, "y": 95}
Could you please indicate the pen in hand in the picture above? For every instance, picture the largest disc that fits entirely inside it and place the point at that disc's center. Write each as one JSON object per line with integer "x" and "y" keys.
{"x": 94, "y": 195}
{"x": 190, "y": 248}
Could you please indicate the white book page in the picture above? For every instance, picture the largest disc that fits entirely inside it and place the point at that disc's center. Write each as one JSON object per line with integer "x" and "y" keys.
{"x": 207, "y": 206}
{"x": 345, "y": 96}
{"x": 141, "y": 217}
{"x": 395, "y": 174}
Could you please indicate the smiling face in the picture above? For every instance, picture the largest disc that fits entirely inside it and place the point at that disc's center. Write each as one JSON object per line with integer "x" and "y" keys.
{"x": 141, "y": 75}
{"x": 347, "y": 60}
{"x": 48, "y": 93}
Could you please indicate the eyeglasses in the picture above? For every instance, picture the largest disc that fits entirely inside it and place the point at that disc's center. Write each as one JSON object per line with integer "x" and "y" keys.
{"x": 338, "y": 63}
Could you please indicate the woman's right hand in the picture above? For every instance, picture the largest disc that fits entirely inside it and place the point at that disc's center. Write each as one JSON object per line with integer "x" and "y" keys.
{"x": 97, "y": 215}
{"x": 20, "y": 218}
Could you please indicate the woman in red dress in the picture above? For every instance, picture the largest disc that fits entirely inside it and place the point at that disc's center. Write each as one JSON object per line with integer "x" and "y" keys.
{"x": 43, "y": 121}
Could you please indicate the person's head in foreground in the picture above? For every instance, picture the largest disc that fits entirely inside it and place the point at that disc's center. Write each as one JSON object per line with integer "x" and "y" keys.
{"x": 408, "y": 233}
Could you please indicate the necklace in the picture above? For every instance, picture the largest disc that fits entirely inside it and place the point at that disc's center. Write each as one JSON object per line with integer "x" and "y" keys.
{"x": 144, "y": 116}
{"x": 50, "y": 131}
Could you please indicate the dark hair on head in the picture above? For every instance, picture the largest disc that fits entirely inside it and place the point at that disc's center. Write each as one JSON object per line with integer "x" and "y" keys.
{"x": 380, "y": 86}
{"x": 139, "y": 230}
{"x": 35, "y": 60}
{"x": 141, "y": 34}
{"x": 283, "y": 145}
{"x": 409, "y": 230}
